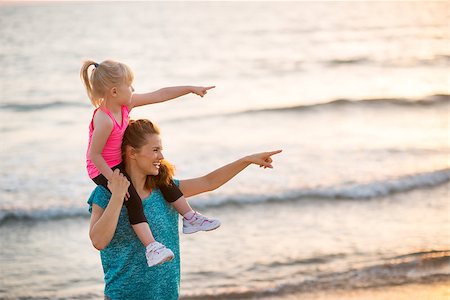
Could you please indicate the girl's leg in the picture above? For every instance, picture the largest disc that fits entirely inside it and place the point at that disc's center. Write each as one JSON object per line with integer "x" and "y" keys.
{"x": 155, "y": 253}
{"x": 174, "y": 196}
{"x": 137, "y": 218}
{"x": 182, "y": 206}
{"x": 192, "y": 220}
{"x": 136, "y": 213}
{"x": 134, "y": 208}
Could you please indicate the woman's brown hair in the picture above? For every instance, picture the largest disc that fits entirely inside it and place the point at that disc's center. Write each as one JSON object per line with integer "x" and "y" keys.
{"x": 135, "y": 137}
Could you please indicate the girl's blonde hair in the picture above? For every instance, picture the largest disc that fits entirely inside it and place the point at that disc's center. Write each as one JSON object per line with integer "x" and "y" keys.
{"x": 135, "y": 136}
{"x": 103, "y": 77}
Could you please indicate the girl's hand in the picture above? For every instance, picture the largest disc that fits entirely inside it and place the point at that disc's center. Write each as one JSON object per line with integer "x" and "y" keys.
{"x": 264, "y": 159}
{"x": 118, "y": 185}
{"x": 200, "y": 90}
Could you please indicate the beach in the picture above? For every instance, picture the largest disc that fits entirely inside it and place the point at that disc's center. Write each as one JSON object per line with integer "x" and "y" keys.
{"x": 426, "y": 291}
{"x": 322, "y": 250}
{"x": 355, "y": 93}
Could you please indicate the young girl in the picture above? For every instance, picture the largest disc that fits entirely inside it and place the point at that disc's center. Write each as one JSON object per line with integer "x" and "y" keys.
{"x": 109, "y": 87}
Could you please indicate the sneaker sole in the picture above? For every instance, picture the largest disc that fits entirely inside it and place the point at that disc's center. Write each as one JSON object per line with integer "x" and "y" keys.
{"x": 168, "y": 258}
{"x": 196, "y": 229}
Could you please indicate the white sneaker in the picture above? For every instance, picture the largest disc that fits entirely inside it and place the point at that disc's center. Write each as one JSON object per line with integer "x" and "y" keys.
{"x": 199, "y": 223}
{"x": 157, "y": 254}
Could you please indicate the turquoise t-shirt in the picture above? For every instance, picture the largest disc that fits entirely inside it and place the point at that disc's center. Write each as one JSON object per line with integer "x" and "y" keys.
{"x": 127, "y": 275}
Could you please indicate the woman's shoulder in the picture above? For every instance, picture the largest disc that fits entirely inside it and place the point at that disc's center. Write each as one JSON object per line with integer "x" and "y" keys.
{"x": 99, "y": 196}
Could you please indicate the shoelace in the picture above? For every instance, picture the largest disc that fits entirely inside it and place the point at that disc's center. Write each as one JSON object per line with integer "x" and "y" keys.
{"x": 198, "y": 218}
{"x": 155, "y": 246}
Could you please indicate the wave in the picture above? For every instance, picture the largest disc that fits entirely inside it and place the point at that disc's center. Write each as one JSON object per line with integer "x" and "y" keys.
{"x": 27, "y": 107}
{"x": 303, "y": 261}
{"x": 436, "y": 60}
{"x": 421, "y": 267}
{"x": 348, "y": 61}
{"x": 434, "y": 100}
{"x": 382, "y": 188}
{"x": 359, "y": 191}
{"x": 42, "y": 215}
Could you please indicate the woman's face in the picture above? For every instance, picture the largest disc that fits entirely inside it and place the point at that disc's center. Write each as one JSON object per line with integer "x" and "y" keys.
{"x": 149, "y": 156}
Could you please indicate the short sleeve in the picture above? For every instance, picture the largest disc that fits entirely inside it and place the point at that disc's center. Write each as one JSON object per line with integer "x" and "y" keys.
{"x": 171, "y": 192}
{"x": 99, "y": 196}
{"x": 176, "y": 181}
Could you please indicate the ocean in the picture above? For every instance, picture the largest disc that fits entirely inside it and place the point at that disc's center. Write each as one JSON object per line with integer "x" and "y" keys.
{"x": 357, "y": 94}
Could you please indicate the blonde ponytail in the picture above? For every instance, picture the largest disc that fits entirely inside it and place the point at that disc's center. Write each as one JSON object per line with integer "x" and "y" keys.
{"x": 103, "y": 77}
{"x": 85, "y": 78}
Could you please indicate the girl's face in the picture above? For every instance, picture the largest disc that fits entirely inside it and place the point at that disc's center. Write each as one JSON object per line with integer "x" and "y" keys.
{"x": 124, "y": 92}
{"x": 149, "y": 156}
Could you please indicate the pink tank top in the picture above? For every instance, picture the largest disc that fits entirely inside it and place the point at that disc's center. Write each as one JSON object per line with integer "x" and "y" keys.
{"x": 112, "y": 150}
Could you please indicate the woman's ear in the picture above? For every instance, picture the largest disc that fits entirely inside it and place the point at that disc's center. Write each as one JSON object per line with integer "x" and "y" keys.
{"x": 131, "y": 152}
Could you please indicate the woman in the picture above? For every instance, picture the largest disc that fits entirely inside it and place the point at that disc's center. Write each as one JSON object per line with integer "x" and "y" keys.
{"x": 126, "y": 274}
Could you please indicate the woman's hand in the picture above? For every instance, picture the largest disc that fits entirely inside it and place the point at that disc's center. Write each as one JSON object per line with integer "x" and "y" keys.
{"x": 200, "y": 90}
{"x": 104, "y": 221}
{"x": 220, "y": 176}
{"x": 118, "y": 185}
{"x": 264, "y": 159}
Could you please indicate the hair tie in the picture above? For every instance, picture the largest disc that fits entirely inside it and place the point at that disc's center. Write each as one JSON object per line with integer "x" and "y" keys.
{"x": 95, "y": 64}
